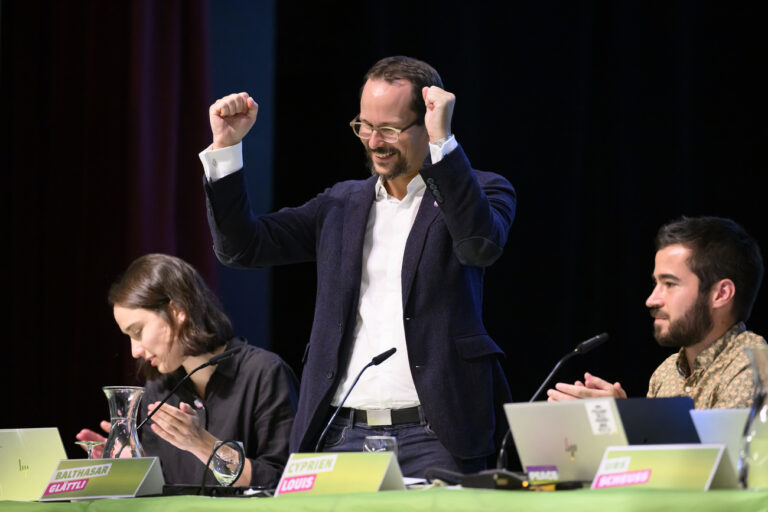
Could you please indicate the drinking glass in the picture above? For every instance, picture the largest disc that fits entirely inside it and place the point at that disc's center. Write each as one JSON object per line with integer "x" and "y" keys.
{"x": 90, "y": 445}
{"x": 380, "y": 444}
{"x": 753, "y": 458}
{"x": 227, "y": 461}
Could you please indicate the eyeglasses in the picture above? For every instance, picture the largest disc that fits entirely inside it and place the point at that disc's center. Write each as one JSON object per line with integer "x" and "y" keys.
{"x": 387, "y": 133}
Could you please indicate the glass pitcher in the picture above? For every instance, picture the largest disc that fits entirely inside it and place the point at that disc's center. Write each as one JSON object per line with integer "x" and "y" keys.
{"x": 123, "y": 440}
{"x": 753, "y": 458}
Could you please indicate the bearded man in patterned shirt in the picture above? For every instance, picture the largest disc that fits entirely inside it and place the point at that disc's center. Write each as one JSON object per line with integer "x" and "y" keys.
{"x": 707, "y": 274}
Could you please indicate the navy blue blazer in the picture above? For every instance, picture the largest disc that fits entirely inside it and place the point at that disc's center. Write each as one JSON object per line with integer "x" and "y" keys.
{"x": 461, "y": 227}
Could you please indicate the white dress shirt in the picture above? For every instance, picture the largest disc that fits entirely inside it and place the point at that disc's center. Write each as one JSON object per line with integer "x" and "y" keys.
{"x": 379, "y": 323}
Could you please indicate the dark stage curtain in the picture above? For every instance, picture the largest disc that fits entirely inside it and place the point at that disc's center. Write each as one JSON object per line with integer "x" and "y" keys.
{"x": 610, "y": 118}
{"x": 105, "y": 107}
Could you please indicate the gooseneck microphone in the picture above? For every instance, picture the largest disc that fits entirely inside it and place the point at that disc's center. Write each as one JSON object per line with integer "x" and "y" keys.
{"x": 212, "y": 361}
{"x": 377, "y": 360}
{"x": 582, "y": 348}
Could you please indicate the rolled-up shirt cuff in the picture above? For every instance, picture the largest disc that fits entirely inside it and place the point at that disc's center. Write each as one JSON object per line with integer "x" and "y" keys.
{"x": 218, "y": 163}
{"x": 438, "y": 151}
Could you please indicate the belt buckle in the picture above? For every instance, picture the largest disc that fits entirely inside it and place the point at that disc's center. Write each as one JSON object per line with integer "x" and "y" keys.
{"x": 378, "y": 417}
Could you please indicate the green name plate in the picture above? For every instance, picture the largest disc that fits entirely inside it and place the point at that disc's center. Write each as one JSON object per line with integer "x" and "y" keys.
{"x": 660, "y": 466}
{"x": 104, "y": 478}
{"x": 326, "y": 473}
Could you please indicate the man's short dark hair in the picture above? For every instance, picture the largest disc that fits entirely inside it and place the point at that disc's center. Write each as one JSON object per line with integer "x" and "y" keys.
{"x": 720, "y": 249}
{"x": 419, "y": 73}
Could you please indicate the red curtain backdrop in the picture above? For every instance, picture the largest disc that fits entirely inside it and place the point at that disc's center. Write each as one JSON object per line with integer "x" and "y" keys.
{"x": 105, "y": 108}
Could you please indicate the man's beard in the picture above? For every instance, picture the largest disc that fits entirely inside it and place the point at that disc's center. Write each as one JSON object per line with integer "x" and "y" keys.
{"x": 688, "y": 330}
{"x": 400, "y": 167}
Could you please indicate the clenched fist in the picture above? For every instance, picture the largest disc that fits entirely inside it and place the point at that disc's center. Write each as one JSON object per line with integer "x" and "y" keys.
{"x": 439, "y": 112}
{"x": 231, "y": 119}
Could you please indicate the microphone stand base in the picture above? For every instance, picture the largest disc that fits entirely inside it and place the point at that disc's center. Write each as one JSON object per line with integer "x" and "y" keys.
{"x": 496, "y": 479}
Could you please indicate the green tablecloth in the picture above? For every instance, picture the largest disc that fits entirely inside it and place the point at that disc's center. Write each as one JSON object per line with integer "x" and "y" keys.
{"x": 610, "y": 500}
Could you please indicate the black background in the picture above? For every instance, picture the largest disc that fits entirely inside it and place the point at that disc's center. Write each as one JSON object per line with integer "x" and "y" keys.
{"x": 610, "y": 119}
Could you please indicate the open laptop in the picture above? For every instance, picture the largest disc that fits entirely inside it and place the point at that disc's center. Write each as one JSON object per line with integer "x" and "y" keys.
{"x": 658, "y": 420}
{"x": 723, "y": 426}
{"x": 28, "y": 457}
{"x": 565, "y": 441}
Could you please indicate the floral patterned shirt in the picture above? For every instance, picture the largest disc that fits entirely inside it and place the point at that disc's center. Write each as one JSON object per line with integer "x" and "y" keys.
{"x": 721, "y": 378}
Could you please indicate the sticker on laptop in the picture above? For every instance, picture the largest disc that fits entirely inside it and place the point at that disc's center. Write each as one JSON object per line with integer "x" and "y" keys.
{"x": 542, "y": 473}
{"x": 600, "y": 417}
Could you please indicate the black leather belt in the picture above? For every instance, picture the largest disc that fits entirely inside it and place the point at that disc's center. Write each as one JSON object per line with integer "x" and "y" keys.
{"x": 382, "y": 416}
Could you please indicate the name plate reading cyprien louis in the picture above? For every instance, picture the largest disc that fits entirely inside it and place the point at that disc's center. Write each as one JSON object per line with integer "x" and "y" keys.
{"x": 325, "y": 473}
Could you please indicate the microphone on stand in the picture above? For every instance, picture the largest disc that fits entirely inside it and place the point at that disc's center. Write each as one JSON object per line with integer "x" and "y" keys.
{"x": 212, "y": 361}
{"x": 377, "y": 360}
{"x": 582, "y": 348}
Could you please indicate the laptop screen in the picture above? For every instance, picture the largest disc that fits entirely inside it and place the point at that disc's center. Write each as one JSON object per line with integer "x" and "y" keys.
{"x": 28, "y": 457}
{"x": 564, "y": 440}
{"x": 723, "y": 426}
{"x": 658, "y": 420}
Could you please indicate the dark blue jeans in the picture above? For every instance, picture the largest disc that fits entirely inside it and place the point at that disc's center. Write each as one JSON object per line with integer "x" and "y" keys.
{"x": 418, "y": 448}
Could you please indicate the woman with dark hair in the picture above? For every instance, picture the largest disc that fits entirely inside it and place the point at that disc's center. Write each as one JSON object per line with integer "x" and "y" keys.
{"x": 175, "y": 324}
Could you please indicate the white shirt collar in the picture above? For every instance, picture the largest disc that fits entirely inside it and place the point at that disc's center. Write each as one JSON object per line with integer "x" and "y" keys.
{"x": 415, "y": 186}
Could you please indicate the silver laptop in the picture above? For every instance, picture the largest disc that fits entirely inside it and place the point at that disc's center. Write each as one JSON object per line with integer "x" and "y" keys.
{"x": 564, "y": 441}
{"x": 723, "y": 426}
{"x": 28, "y": 457}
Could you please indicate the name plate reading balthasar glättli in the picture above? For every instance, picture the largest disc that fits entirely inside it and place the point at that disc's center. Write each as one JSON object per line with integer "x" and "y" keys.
{"x": 104, "y": 478}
